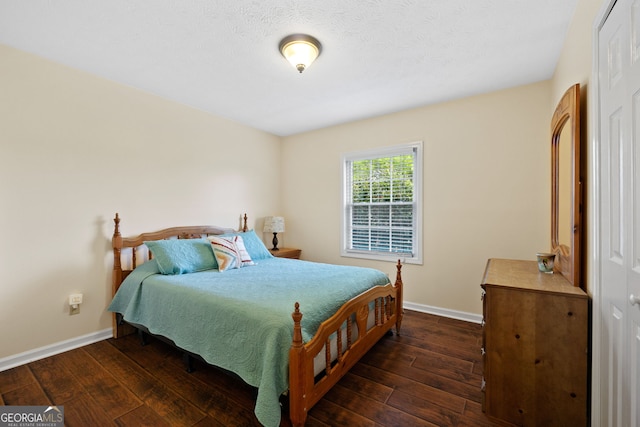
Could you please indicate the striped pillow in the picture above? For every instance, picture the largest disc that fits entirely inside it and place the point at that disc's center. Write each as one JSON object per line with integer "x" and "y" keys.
{"x": 230, "y": 252}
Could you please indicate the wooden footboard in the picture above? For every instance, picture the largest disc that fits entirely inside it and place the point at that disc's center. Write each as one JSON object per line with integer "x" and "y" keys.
{"x": 306, "y": 388}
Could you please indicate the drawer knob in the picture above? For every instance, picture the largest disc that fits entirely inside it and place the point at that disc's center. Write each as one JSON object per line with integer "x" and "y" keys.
{"x": 634, "y": 300}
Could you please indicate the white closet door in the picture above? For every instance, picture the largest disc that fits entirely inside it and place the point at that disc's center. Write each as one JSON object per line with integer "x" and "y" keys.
{"x": 619, "y": 182}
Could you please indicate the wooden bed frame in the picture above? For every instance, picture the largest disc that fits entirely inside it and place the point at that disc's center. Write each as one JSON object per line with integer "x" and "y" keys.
{"x": 305, "y": 388}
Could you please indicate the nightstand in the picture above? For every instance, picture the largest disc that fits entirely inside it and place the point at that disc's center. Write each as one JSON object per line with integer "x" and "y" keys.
{"x": 286, "y": 253}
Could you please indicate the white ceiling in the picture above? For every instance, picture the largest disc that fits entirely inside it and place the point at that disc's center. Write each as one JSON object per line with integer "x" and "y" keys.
{"x": 221, "y": 56}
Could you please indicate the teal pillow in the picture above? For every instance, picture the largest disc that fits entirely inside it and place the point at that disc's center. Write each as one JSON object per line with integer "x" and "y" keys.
{"x": 256, "y": 249}
{"x": 180, "y": 256}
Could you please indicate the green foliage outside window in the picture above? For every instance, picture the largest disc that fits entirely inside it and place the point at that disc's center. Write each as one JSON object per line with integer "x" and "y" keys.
{"x": 383, "y": 180}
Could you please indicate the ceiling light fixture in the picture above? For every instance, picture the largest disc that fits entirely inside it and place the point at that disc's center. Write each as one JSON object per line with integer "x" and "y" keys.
{"x": 300, "y": 50}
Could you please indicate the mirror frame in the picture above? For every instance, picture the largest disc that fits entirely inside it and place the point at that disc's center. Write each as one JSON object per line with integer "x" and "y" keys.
{"x": 567, "y": 117}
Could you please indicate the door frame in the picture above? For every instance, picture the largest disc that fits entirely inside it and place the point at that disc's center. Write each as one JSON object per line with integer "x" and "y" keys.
{"x": 594, "y": 254}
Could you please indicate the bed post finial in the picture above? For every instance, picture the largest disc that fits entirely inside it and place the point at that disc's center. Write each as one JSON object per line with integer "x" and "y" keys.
{"x": 297, "y": 329}
{"x": 244, "y": 224}
{"x": 116, "y": 240}
{"x": 116, "y": 220}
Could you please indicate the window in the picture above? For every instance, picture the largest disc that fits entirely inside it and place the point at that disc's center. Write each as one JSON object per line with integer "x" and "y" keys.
{"x": 382, "y": 204}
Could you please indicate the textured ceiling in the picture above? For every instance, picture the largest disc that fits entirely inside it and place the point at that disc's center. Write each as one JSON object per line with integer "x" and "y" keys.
{"x": 221, "y": 56}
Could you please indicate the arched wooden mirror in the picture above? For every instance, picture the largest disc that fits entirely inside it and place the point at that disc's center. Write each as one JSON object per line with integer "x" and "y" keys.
{"x": 566, "y": 186}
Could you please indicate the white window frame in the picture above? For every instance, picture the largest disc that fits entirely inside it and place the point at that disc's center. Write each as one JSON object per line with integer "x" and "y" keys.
{"x": 345, "y": 243}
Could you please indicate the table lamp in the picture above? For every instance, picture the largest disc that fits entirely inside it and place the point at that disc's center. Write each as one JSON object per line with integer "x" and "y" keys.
{"x": 275, "y": 225}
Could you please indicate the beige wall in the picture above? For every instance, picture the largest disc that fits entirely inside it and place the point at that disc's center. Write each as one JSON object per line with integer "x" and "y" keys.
{"x": 575, "y": 66}
{"x": 75, "y": 149}
{"x": 486, "y": 183}
{"x": 486, "y": 188}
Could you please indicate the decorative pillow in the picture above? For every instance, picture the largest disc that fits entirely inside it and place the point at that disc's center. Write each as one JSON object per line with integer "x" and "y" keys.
{"x": 230, "y": 252}
{"x": 179, "y": 256}
{"x": 245, "y": 258}
{"x": 256, "y": 249}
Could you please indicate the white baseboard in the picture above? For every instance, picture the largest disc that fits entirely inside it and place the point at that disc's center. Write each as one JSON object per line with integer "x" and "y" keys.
{"x": 453, "y": 314}
{"x": 52, "y": 349}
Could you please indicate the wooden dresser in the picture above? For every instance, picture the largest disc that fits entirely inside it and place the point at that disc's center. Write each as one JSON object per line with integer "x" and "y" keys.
{"x": 535, "y": 346}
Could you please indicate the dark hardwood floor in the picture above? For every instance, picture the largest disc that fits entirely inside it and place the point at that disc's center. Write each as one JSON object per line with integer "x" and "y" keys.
{"x": 428, "y": 376}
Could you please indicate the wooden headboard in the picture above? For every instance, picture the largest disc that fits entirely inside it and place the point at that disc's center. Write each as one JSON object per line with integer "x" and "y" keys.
{"x": 129, "y": 252}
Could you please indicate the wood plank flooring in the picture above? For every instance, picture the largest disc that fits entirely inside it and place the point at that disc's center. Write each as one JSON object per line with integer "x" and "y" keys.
{"x": 428, "y": 376}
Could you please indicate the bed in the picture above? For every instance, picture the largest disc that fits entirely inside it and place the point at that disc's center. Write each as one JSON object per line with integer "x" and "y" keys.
{"x": 247, "y": 316}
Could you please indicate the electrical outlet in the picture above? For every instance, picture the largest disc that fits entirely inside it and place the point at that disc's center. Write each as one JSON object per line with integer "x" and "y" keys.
{"x": 75, "y": 299}
{"x": 74, "y": 303}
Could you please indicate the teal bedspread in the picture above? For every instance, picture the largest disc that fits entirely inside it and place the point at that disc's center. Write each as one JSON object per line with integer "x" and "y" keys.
{"x": 240, "y": 320}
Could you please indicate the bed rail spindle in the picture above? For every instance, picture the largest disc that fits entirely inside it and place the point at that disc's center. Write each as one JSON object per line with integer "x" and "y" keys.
{"x": 349, "y": 332}
{"x": 339, "y": 342}
{"x": 361, "y": 320}
{"x": 327, "y": 356}
{"x": 134, "y": 261}
{"x": 377, "y": 312}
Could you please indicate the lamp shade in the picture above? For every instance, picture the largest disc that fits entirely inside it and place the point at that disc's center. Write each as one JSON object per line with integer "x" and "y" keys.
{"x": 300, "y": 50}
{"x": 274, "y": 224}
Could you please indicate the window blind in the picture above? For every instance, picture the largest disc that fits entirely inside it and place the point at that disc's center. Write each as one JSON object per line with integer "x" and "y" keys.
{"x": 380, "y": 203}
